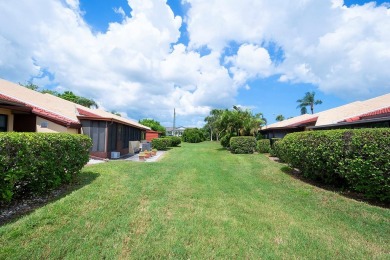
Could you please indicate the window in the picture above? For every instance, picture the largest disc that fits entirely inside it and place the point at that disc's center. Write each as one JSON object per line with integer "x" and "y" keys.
{"x": 3, "y": 123}
{"x": 97, "y": 131}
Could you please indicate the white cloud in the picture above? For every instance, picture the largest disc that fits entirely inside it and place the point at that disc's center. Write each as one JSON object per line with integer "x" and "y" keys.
{"x": 138, "y": 67}
{"x": 339, "y": 49}
{"x": 250, "y": 62}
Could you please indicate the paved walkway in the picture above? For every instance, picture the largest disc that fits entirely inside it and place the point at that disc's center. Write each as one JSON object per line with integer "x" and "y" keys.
{"x": 134, "y": 158}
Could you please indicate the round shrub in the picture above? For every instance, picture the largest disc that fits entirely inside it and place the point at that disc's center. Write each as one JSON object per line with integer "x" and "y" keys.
{"x": 161, "y": 143}
{"x": 264, "y": 146}
{"x": 193, "y": 135}
{"x": 175, "y": 140}
{"x": 225, "y": 141}
{"x": 243, "y": 144}
{"x": 38, "y": 162}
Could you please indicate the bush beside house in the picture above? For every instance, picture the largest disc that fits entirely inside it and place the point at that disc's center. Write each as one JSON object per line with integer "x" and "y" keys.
{"x": 358, "y": 159}
{"x": 38, "y": 162}
{"x": 161, "y": 143}
{"x": 263, "y": 146}
{"x": 243, "y": 144}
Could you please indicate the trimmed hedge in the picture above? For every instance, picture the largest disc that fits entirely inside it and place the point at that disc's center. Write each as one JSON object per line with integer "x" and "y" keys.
{"x": 175, "y": 140}
{"x": 193, "y": 135}
{"x": 274, "y": 146}
{"x": 38, "y": 162}
{"x": 161, "y": 143}
{"x": 358, "y": 158}
{"x": 264, "y": 146}
{"x": 242, "y": 144}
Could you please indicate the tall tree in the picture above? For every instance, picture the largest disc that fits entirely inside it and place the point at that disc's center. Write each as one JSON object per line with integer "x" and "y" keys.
{"x": 308, "y": 100}
{"x": 238, "y": 122}
{"x": 212, "y": 123}
{"x": 279, "y": 118}
{"x": 153, "y": 124}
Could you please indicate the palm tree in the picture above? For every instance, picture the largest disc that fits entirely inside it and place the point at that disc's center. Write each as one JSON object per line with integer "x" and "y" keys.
{"x": 279, "y": 118}
{"x": 308, "y": 100}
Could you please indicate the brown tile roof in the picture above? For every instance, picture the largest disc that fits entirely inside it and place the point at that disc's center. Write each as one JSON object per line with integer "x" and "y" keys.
{"x": 376, "y": 113}
{"x": 292, "y": 122}
{"x": 56, "y": 108}
{"x": 346, "y": 113}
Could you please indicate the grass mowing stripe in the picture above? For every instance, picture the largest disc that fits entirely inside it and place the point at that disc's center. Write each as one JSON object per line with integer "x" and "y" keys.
{"x": 199, "y": 201}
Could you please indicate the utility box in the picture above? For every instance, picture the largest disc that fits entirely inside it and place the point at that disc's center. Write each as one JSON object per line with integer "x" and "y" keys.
{"x": 115, "y": 155}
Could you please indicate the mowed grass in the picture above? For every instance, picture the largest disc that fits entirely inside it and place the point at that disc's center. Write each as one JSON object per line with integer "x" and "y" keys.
{"x": 198, "y": 202}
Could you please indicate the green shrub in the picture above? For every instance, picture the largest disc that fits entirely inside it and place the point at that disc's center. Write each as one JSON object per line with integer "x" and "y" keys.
{"x": 357, "y": 158}
{"x": 242, "y": 144}
{"x": 264, "y": 146}
{"x": 225, "y": 141}
{"x": 193, "y": 135}
{"x": 38, "y": 162}
{"x": 277, "y": 150}
{"x": 175, "y": 140}
{"x": 161, "y": 143}
{"x": 274, "y": 140}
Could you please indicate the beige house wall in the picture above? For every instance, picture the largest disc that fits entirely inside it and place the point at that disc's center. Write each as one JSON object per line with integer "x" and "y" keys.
{"x": 8, "y": 112}
{"x": 53, "y": 127}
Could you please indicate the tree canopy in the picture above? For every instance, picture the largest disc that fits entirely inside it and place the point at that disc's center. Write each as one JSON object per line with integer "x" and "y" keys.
{"x": 308, "y": 100}
{"x": 279, "y": 118}
{"x": 235, "y": 122}
{"x": 153, "y": 124}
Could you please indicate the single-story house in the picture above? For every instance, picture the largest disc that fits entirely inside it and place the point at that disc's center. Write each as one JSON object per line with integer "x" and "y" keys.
{"x": 178, "y": 131}
{"x": 373, "y": 112}
{"x": 26, "y": 110}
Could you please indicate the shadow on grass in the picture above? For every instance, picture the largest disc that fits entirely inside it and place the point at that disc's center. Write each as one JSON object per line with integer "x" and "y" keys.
{"x": 22, "y": 206}
{"x": 296, "y": 174}
{"x": 221, "y": 149}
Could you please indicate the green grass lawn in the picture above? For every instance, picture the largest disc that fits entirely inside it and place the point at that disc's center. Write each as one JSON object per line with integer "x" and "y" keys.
{"x": 198, "y": 202}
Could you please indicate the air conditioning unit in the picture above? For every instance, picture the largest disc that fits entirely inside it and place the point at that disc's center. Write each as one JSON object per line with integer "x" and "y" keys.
{"x": 115, "y": 155}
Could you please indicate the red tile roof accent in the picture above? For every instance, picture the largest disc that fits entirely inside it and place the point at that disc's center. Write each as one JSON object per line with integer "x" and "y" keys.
{"x": 377, "y": 112}
{"x": 44, "y": 113}
{"x": 310, "y": 120}
{"x": 83, "y": 112}
{"x": 352, "y": 119}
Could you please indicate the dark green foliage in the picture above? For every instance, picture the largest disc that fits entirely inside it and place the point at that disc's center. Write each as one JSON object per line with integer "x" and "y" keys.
{"x": 242, "y": 144}
{"x": 225, "y": 141}
{"x": 276, "y": 149}
{"x": 153, "y": 124}
{"x": 38, "y": 162}
{"x": 161, "y": 143}
{"x": 175, "y": 140}
{"x": 359, "y": 159}
{"x": 272, "y": 149}
{"x": 264, "y": 146}
{"x": 193, "y": 135}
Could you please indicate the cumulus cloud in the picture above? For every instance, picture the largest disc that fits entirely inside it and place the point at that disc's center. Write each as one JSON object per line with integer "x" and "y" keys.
{"x": 250, "y": 62}
{"x": 139, "y": 68}
{"x": 338, "y": 49}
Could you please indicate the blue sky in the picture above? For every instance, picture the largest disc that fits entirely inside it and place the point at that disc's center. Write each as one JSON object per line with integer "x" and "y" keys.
{"x": 145, "y": 57}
